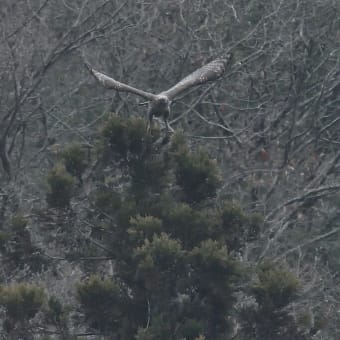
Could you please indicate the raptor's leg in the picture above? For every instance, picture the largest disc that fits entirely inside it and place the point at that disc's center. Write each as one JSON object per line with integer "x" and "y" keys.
{"x": 167, "y": 127}
{"x": 150, "y": 121}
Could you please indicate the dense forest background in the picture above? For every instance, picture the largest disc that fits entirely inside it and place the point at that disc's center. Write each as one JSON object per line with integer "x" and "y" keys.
{"x": 229, "y": 230}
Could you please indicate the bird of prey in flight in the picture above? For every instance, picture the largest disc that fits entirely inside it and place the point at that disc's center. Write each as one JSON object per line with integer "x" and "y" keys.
{"x": 159, "y": 104}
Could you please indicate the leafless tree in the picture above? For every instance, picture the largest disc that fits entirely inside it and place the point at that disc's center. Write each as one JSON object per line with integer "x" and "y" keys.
{"x": 273, "y": 124}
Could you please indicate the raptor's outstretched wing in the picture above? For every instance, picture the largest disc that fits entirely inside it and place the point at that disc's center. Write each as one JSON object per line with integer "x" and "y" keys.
{"x": 110, "y": 83}
{"x": 209, "y": 72}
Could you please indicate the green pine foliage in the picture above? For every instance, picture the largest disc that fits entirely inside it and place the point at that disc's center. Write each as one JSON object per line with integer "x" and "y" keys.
{"x": 19, "y": 223}
{"x": 233, "y": 217}
{"x": 4, "y": 237}
{"x": 56, "y": 313}
{"x": 212, "y": 256}
{"x": 189, "y": 225}
{"x": 74, "y": 158}
{"x": 101, "y": 300}
{"x": 174, "y": 248}
{"x": 191, "y": 329}
{"x": 275, "y": 287}
{"x": 160, "y": 262}
{"x": 17, "y": 247}
{"x": 162, "y": 253}
{"x": 213, "y": 275}
{"x": 160, "y": 329}
{"x": 236, "y": 226}
{"x": 197, "y": 175}
{"x": 60, "y": 187}
{"x": 144, "y": 227}
{"x": 21, "y": 301}
{"x": 169, "y": 242}
{"x": 124, "y": 138}
{"x": 128, "y": 142}
{"x": 106, "y": 202}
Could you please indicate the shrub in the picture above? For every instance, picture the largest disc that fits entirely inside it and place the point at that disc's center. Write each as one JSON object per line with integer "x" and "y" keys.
{"x": 60, "y": 187}
{"x": 148, "y": 175}
{"x": 144, "y": 227}
{"x": 125, "y": 137}
{"x": 19, "y": 223}
{"x": 275, "y": 287}
{"x": 211, "y": 260}
{"x": 57, "y": 314}
{"x": 234, "y": 223}
{"x": 101, "y": 300}
{"x": 189, "y": 225}
{"x": 197, "y": 175}
{"x": 21, "y": 301}
{"x": 162, "y": 253}
{"x": 75, "y": 160}
{"x": 213, "y": 276}
{"x": 159, "y": 329}
{"x": 191, "y": 329}
{"x": 4, "y": 237}
{"x": 129, "y": 142}
{"x": 159, "y": 265}
{"x": 106, "y": 202}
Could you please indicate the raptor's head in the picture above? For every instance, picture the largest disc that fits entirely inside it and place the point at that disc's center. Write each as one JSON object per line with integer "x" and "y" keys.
{"x": 162, "y": 98}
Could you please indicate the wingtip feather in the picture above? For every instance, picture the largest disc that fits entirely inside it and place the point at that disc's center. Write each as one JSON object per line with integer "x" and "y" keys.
{"x": 88, "y": 66}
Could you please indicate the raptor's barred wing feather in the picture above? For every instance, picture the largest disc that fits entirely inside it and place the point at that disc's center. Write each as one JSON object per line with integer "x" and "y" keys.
{"x": 111, "y": 83}
{"x": 209, "y": 72}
